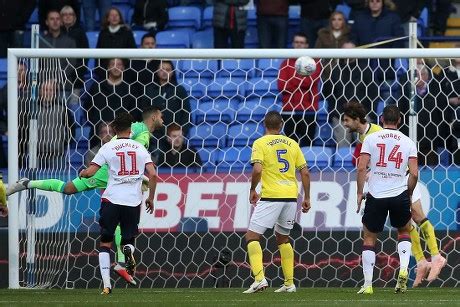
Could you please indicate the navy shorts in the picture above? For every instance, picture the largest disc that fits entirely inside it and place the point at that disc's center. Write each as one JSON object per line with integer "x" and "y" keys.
{"x": 377, "y": 209}
{"x": 111, "y": 215}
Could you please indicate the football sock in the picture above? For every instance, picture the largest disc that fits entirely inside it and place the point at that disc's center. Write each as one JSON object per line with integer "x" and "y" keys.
{"x": 287, "y": 263}
{"x": 131, "y": 247}
{"x": 404, "y": 247}
{"x": 255, "y": 260}
{"x": 104, "y": 266}
{"x": 55, "y": 185}
{"x": 368, "y": 259}
{"x": 416, "y": 245}
{"x": 120, "y": 255}
{"x": 430, "y": 238}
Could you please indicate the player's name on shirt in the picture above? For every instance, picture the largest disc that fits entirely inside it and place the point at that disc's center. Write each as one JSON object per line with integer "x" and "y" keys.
{"x": 126, "y": 180}
{"x": 280, "y": 140}
{"x": 390, "y": 136}
{"x": 125, "y": 145}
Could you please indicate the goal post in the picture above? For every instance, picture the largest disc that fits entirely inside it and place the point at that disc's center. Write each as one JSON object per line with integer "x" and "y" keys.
{"x": 213, "y": 197}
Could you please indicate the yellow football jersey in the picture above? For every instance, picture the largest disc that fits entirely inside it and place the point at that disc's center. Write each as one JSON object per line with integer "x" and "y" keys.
{"x": 372, "y": 128}
{"x": 280, "y": 157}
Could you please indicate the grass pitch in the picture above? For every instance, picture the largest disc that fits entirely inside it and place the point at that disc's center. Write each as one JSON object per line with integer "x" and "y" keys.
{"x": 231, "y": 297}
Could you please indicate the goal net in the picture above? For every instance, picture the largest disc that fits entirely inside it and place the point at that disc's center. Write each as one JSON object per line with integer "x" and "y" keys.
{"x": 218, "y": 98}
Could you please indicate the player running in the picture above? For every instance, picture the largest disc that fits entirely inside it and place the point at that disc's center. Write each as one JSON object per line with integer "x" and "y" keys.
{"x": 354, "y": 119}
{"x": 388, "y": 153}
{"x": 140, "y": 132}
{"x": 275, "y": 158}
{"x": 126, "y": 161}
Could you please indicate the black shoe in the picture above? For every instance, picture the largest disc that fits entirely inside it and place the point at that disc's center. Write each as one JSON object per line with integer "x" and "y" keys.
{"x": 130, "y": 263}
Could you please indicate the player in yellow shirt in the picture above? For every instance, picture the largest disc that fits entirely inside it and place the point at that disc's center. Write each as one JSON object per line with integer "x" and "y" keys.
{"x": 3, "y": 205}
{"x": 354, "y": 119}
{"x": 275, "y": 159}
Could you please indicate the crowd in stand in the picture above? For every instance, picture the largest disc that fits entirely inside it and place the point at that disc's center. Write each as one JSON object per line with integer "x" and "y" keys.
{"x": 131, "y": 85}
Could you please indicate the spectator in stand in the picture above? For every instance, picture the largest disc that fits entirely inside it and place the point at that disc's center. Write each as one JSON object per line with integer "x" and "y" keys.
{"x": 75, "y": 31}
{"x": 114, "y": 34}
{"x": 174, "y": 151}
{"x": 45, "y": 6}
{"x": 408, "y": 9}
{"x": 170, "y": 98}
{"x": 13, "y": 18}
{"x": 55, "y": 37}
{"x": 334, "y": 35}
{"x": 110, "y": 96}
{"x": 230, "y": 22}
{"x": 105, "y": 134}
{"x": 89, "y": 12}
{"x": 348, "y": 80}
{"x": 300, "y": 97}
{"x": 272, "y": 23}
{"x": 54, "y": 124}
{"x": 150, "y": 15}
{"x": 314, "y": 15}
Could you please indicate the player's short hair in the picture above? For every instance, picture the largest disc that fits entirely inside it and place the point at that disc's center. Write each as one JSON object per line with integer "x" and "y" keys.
{"x": 173, "y": 127}
{"x": 147, "y": 35}
{"x": 391, "y": 114}
{"x": 149, "y": 111}
{"x": 273, "y": 120}
{"x": 355, "y": 110}
{"x": 122, "y": 122}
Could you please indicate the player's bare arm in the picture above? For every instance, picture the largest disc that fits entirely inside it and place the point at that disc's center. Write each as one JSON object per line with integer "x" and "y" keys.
{"x": 255, "y": 179}
{"x": 413, "y": 175}
{"x": 90, "y": 171}
{"x": 305, "y": 178}
{"x": 152, "y": 174}
{"x": 362, "y": 170}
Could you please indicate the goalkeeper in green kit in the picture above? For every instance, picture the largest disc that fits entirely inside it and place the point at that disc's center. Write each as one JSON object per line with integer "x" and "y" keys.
{"x": 141, "y": 132}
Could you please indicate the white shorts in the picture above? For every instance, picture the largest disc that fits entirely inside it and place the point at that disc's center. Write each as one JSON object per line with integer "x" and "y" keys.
{"x": 270, "y": 213}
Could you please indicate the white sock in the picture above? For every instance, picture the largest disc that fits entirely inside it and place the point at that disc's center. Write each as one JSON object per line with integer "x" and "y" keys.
{"x": 368, "y": 259}
{"x": 104, "y": 267}
{"x": 131, "y": 247}
{"x": 404, "y": 248}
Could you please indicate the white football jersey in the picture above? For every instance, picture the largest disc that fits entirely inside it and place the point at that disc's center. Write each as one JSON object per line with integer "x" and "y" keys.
{"x": 390, "y": 151}
{"x": 126, "y": 159}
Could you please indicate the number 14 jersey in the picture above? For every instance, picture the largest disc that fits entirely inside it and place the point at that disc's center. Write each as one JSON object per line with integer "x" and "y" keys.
{"x": 126, "y": 159}
{"x": 390, "y": 151}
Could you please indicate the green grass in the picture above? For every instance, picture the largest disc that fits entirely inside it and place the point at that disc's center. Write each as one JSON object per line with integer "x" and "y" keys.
{"x": 231, "y": 297}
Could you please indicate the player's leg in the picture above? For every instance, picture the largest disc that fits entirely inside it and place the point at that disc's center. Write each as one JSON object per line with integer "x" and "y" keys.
{"x": 282, "y": 229}
{"x": 437, "y": 261}
{"x": 129, "y": 222}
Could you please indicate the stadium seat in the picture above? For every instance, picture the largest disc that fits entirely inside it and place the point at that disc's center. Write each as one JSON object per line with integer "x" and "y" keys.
{"x": 268, "y": 67}
{"x": 252, "y": 18}
{"x": 323, "y": 135}
{"x": 92, "y": 38}
{"x": 317, "y": 156}
{"x": 82, "y": 133}
{"x": 294, "y": 15}
{"x": 198, "y": 68}
{"x": 138, "y": 37}
{"x": 343, "y": 157}
{"x": 203, "y": 39}
{"x": 207, "y": 135}
{"x": 173, "y": 39}
{"x": 262, "y": 87}
{"x": 255, "y": 109}
{"x": 251, "y": 40}
{"x": 33, "y": 19}
{"x": 208, "y": 157}
{"x": 207, "y": 17}
{"x": 218, "y": 110}
{"x": 244, "y": 134}
{"x": 3, "y": 68}
{"x": 241, "y": 68}
{"x": 195, "y": 87}
{"x": 423, "y": 18}
{"x": 124, "y": 9}
{"x": 223, "y": 87}
{"x": 234, "y": 159}
{"x": 184, "y": 17}
{"x": 193, "y": 224}
{"x": 129, "y": 16}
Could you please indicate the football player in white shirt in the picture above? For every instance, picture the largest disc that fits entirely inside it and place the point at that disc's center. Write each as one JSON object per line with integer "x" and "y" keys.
{"x": 388, "y": 153}
{"x": 127, "y": 160}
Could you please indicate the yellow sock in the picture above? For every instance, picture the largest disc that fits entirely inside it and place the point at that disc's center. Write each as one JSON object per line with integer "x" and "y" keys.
{"x": 416, "y": 245}
{"x": 287, "y": 263}
{"x": 430, "y": 237}
{"x": 255, "y": 260}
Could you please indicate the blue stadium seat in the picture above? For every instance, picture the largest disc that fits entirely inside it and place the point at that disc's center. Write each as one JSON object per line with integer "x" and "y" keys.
{"x": 124, "y": 9}
{"x": 223, "y": 87}
{"x": 255, "y": 109}
{"x": 234, "y": 159}
{"x": 344, "y": 8}
{"x": 198, "y": 68}
{"x": 203, "y": 39}
{"x": 207, "y": 17}
{"x": 129, "y": 16}
{"x": 82, "y": 133}
{"x": 323, "y": 135}
{"x": 2, "y": 83}
{"x": 251, "y": 40}
{"x": 138, "y": 37}
{"x": 184, "y": 17}
{"x": 294, "y": 15}
{"x": 77, "y": 158}
{"x": 3, "y": 68}
{"x": 244, "y": 134}
{"x": 33, "y": 19}
{"x": 208, "y": 157}
{"x": 343, "y": 157}
{"x": 262, "y": 87}
{"x": 208, "y": 135}
{"x": 92, "y": 38}
{"x": 317, "y": 156}
{"x": 401, "y": 66}
{"x": 423, "y": 18}
{"x": 193, "y": 224}
{"x": 268, "y": 67}
{"x": 219, "y": 110}
{"x": 252, "y": 18}
{"x": 244, "y": 68}
{"x": 195, "y": 87}
{"x": 173, "y": 39}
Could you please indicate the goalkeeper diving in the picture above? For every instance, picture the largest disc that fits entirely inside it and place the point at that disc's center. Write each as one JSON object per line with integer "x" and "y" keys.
{"x": 140, "y": 132}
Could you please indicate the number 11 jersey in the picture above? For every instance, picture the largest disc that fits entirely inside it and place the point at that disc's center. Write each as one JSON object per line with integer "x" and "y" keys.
{"x": 126, "y": 159}
{"x": 390, "y": 151}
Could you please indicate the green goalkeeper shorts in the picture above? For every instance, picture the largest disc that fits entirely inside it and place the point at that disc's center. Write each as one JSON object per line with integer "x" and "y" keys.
{"x": 98, "y": 181}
